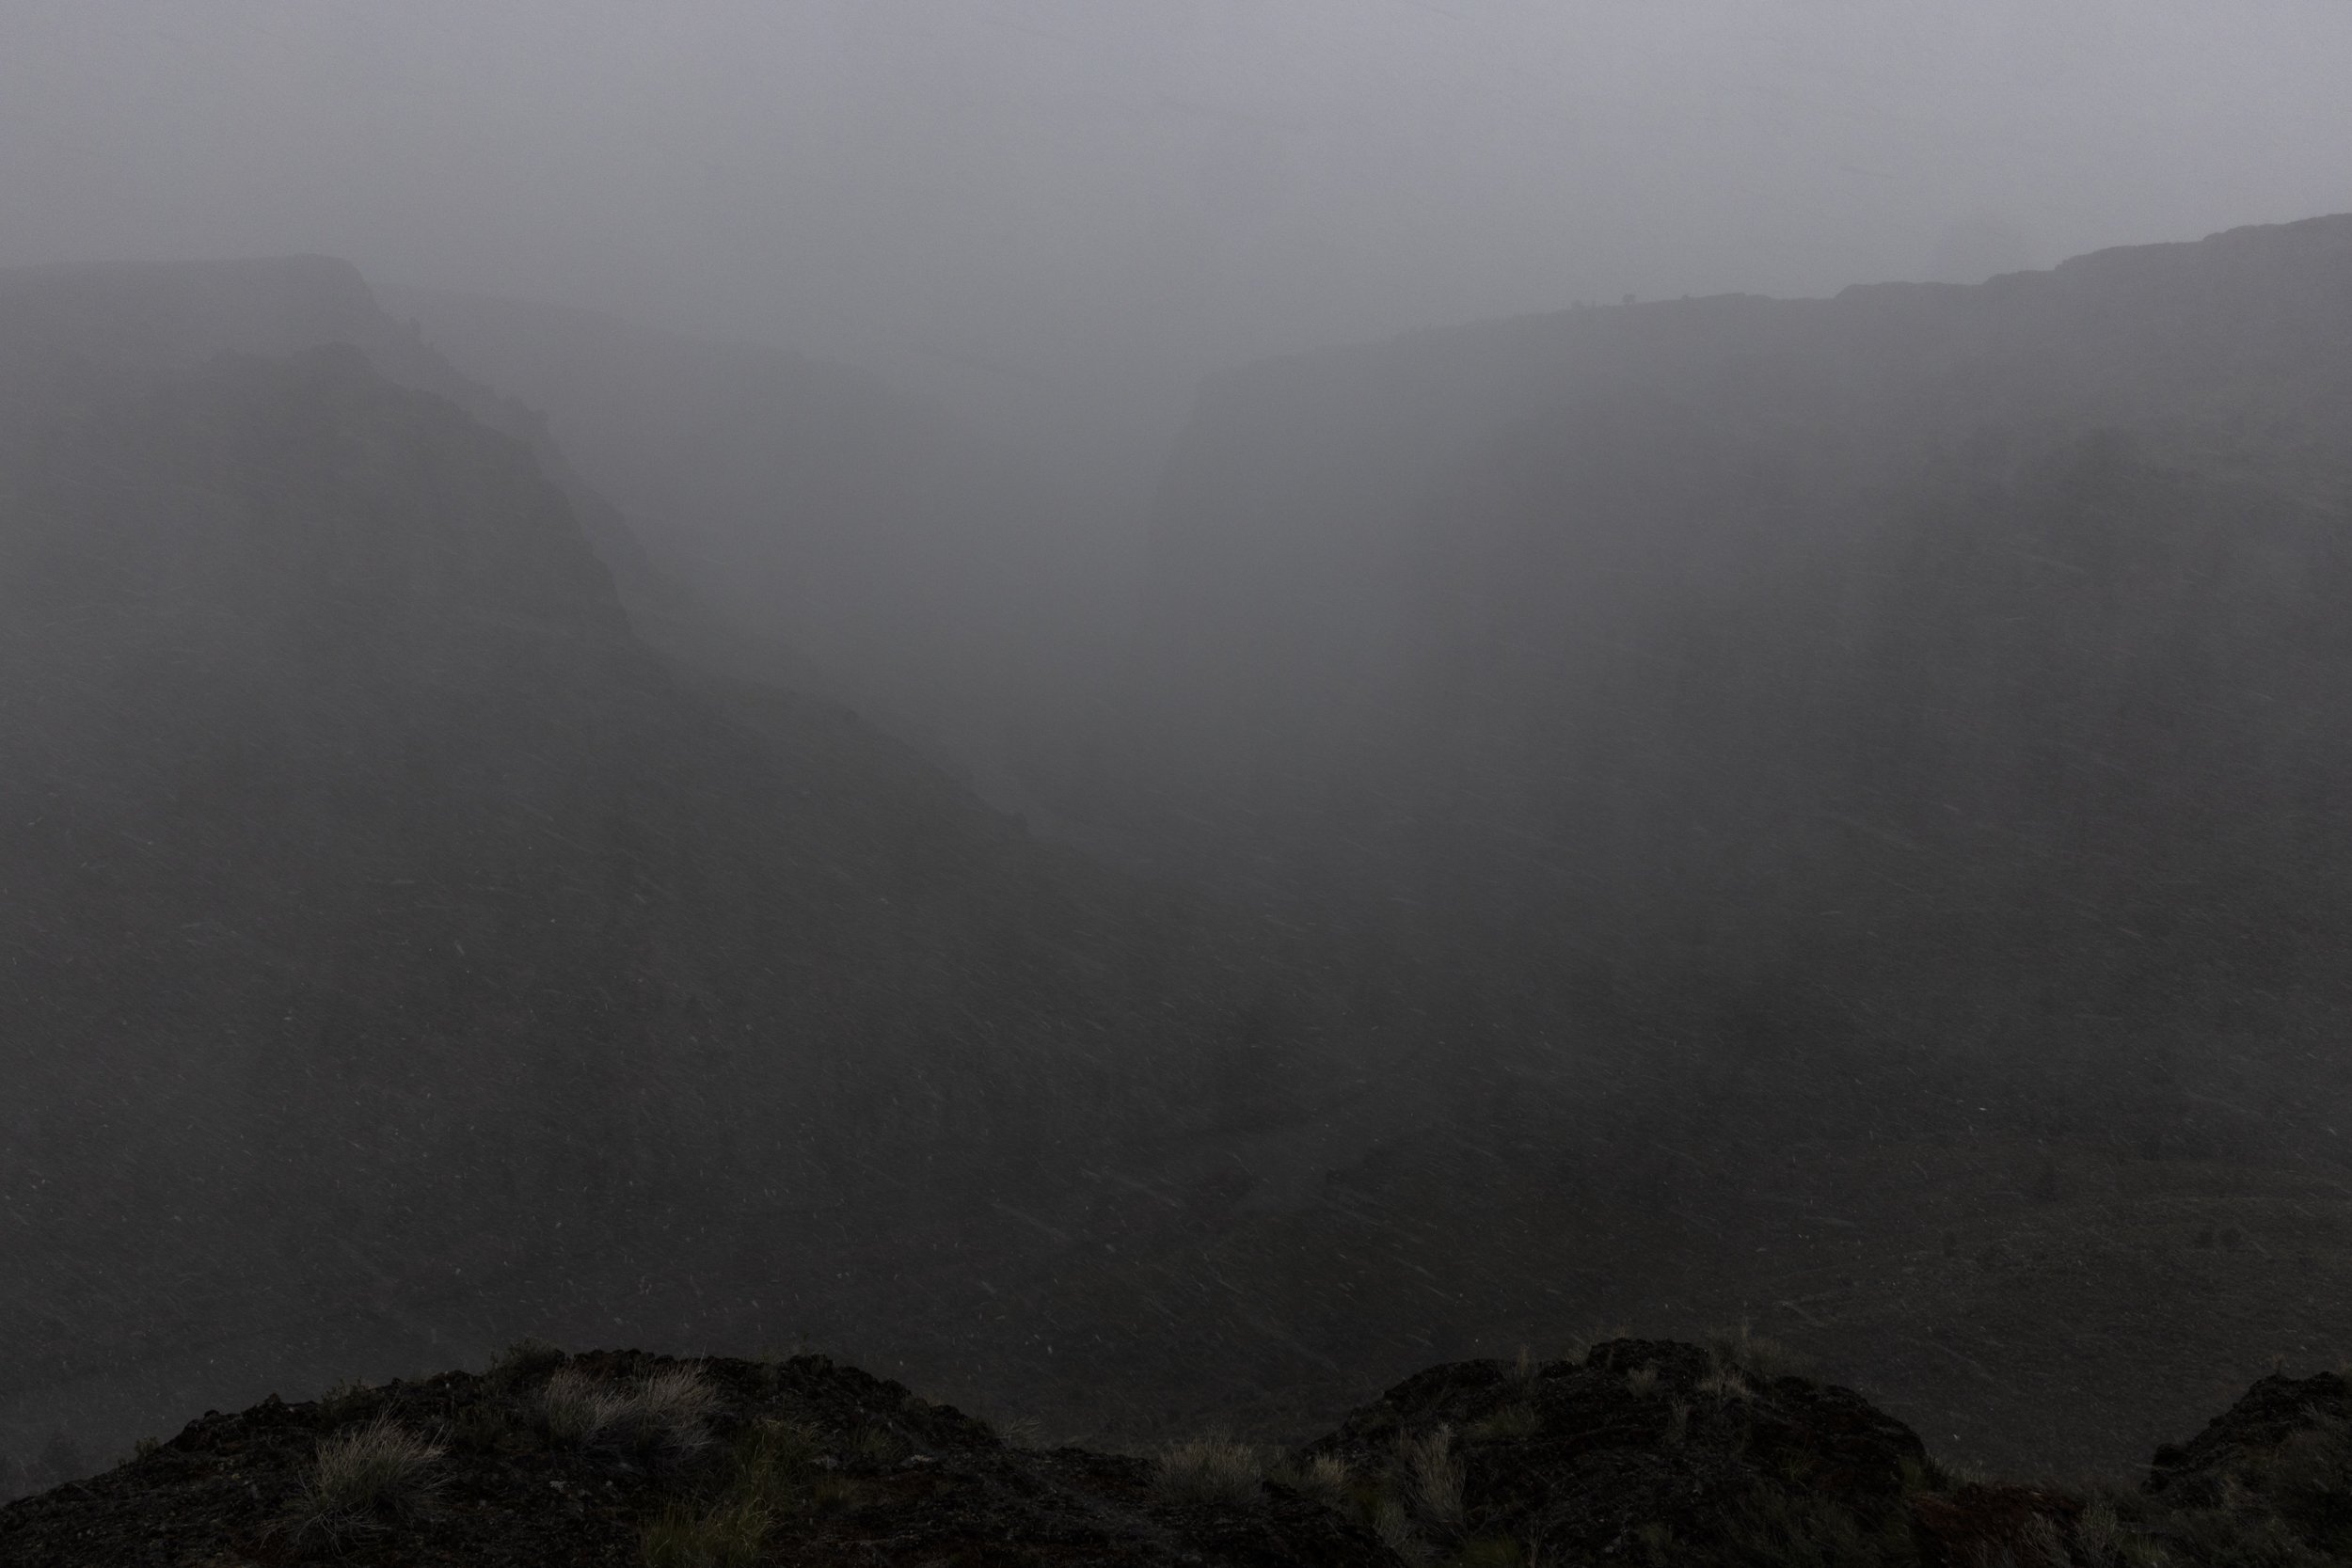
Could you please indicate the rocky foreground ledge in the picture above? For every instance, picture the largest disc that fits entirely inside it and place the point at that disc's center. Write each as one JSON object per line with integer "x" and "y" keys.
{"x": 1643, "y": 1452}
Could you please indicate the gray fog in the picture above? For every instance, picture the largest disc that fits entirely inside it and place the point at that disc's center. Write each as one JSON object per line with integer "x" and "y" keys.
{"x": 1626, "y": 716}
{"x": 1044, "y": 207}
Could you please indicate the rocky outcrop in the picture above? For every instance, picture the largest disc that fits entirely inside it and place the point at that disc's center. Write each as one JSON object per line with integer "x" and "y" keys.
{"x": 1640, "y": 1452}
{"x": 2282, "y": 1454}
{"x": 1642, "y": 1447}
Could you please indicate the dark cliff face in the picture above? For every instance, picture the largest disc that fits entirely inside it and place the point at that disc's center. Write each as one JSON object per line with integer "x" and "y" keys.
{"x": 294, "y": 656}
{"x": 387, "y": 929}
{"x": 87, "y": 325}
{"x": 1306, "y": 488}
{"x": 931, "y": 578}
{"x": 1977, "y": 642}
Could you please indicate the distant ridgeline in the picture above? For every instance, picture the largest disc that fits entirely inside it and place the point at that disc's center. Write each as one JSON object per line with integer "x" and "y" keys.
{"x": 939, "y": 582}
{"x": 1921, "y": 681}
{"x": 388, "y": 932}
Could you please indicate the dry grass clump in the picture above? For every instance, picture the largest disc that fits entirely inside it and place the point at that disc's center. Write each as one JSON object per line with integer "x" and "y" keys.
{"x": 1434, "y": 1473}
{"x": 483, "y": 1426}
{"x": 1642, "y": 1380}
{"x": 574, "y": 1407}
{"x": 1327, "y": 1480}
{"x": 1511, "y": 1423}
{"x": 2040, "y": 1541}
{"x": 1414, "y": 1505}
{"x": 772, "y": 1476}
{"x": 2099, "y": 1533}
{"x": 1021, "y": 1431}
{"x": 876, "y": 1443}
{"x": 664, "y": 1415}
{"x": 525, "y": 1358}
{"x": 773, "y": 1462}
{"x": 1211, "y": 1470}
{"x": 1726, "y": 1383}
{"x": 667, "y": 1414}
{"x": 1395, "y": 1531}
{"x": 1756, "y": 1357}
{"x": 728, "y": 1535}
{"x": 376, "y": 1473}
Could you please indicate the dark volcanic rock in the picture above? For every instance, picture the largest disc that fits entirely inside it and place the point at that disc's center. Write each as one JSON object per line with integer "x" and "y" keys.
{"x": 1645, "y": 1452}
{"x": 1646, "y": 1444}
{"x": 2271, "y": 1412}
{"x": 857, "y": 1469}
{"x": 1978, "y": 1524}
{"x": 2274, "y": 1470}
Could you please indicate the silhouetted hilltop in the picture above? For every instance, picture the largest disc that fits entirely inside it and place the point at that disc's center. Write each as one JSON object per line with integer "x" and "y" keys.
{"x": 1640, "y": 1451}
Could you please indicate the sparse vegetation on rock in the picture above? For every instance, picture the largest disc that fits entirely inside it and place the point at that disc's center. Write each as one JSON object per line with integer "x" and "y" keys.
{"x": 375, "y": 1476}
{"x": 1214, "y": 1470}
{"x": 1471, "y": 1465}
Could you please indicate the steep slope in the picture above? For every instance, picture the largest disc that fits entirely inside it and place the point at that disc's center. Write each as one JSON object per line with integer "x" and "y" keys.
{"x": 1866, "y": 770}
{"x": 69, "y": 324}
{"x": 931, "y": 579}
{"x": 1930, "y": 668}
{"x": 392, "y": 942}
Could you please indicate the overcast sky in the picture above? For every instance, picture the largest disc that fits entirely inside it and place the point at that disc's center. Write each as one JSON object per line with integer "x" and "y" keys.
{"x": 1096, "y": 189}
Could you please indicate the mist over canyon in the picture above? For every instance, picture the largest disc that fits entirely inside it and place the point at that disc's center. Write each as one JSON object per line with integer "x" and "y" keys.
{"x": 1137, "y": 842}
